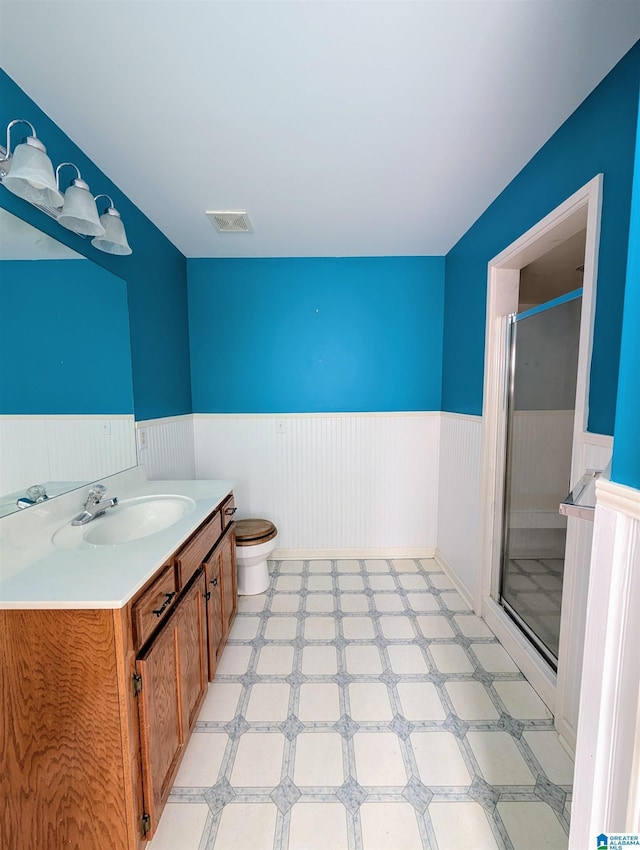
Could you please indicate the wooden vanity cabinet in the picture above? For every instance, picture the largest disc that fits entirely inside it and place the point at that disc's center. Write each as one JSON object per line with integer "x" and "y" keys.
{"x": 69, "y": 774}
{"x": 98, "y": 705}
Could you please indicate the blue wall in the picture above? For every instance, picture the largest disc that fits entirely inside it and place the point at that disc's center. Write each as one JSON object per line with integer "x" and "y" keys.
{"x": 598, "y": 137}
{"x": 155, "y": 272}
{"x": 316, "y": 335}
{"x": 54, "y": 361}
{"x": 626, "y": 446}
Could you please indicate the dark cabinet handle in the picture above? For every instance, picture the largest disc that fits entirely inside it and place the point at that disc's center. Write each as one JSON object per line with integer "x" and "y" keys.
{"x": 160, "y": 611}
{"x": 230, "y": 511}
{"x": 214, "y": 582}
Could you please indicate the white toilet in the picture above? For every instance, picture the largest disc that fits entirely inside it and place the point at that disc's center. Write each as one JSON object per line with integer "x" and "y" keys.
{"x": 255, "y": 541}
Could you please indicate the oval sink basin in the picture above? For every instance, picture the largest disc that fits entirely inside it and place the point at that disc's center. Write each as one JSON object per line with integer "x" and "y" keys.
{"x": 137, "y": 518}
{"x": 132, "y": 519}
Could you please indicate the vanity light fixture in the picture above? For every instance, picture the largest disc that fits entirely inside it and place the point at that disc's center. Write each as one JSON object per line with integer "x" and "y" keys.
{"x": 79, "y": 212}
{"x": 114, "y": 238}
{"x": 29, "y": 174}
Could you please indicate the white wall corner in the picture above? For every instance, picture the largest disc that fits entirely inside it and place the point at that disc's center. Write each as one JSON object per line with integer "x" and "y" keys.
{"x": 166, "y": 448}
{"x": 455, "y": 579}
{"x": 459, "y": 502}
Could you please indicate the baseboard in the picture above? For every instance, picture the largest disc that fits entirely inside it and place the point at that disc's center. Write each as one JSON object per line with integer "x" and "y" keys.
{"x": 459, "y": 585}
{"x": 335, "y": 554}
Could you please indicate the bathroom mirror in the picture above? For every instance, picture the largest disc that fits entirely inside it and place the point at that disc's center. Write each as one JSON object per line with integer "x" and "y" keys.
{"x": 66, "y": 392}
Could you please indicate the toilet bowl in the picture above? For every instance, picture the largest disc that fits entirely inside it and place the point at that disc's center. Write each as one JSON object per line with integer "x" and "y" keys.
{"x": 255, "y": 541}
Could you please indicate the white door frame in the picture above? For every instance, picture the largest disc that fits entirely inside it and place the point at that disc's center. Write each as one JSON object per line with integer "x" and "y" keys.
{"x": 559, "y": 692}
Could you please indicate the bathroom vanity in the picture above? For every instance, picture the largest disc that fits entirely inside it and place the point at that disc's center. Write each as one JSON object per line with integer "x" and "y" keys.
{"x": 105, "y": 655}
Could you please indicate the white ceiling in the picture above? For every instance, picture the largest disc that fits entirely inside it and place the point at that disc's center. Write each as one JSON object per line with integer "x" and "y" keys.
{"x": 343, "y": 128}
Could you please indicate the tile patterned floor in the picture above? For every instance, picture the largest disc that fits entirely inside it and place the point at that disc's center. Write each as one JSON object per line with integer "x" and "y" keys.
{"x": 360, "y": 705}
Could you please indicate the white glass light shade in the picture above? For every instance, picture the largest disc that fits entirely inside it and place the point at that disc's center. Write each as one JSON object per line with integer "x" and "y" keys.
{"x": 114, "y": 239}
{"x": 79, "y": 212}
{"x": 31, "y": 175}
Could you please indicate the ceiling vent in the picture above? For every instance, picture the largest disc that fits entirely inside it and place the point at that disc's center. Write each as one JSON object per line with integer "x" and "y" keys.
{"x": 235, "y": 221}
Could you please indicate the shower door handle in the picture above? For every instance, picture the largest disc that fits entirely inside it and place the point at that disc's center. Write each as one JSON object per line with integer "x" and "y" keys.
{"x": 572, "y": 506}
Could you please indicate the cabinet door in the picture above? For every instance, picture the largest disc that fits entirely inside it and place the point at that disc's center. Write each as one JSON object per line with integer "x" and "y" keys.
{"x": 213, "y": 596}
{"x": 161, "y": 733}
{"x": 173, "y": 682}
{"x": 229, "y": 580}
{"x": 192, "y": 653}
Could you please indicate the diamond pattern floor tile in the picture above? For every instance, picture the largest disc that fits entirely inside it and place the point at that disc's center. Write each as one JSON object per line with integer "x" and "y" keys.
{"x": 359, "y": 705}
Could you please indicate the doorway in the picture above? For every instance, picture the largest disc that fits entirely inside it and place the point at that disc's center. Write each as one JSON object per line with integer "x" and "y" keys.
{"x": 535, "y": 448}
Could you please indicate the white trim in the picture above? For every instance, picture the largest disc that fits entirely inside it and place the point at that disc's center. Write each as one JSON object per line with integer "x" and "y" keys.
{"x": 163, "y": 420}
{"x": 582, "y": 209}
{"x": 469, "y": 417}
{"x": 66, "y": 416}
{"x": 602, "y": 440}
{"x": 448, "y": 570}
{"x": 558, "y": 225}
{"x": 324, "y": 415}
{"x": 540, "y": 676}
{"x": 358, "y": 554}
{"x": 618, "y": 497}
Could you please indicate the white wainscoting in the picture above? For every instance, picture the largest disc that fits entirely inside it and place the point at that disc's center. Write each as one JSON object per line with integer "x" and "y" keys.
{"x": 459, "y": 500}
{"x": 606, "y": 795}
{"x": 594, "y": 452}
{"x": 166, "y": 448}
{"x": 39, "y": 449}
{"x": 332, "y": 483}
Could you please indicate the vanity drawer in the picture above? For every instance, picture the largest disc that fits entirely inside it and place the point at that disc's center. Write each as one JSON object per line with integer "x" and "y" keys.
{"x": 191, "y": 556}
{"x": 228, "y": 511}
{"x": 151, "y": 609}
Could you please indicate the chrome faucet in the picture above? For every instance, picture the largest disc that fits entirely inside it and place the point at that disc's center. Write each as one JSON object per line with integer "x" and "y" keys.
{"x": 34, "y": 496}
{"x": 95, "y": 505}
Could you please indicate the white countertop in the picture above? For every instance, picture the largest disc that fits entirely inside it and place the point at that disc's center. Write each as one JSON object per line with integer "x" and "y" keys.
{"x": 35, "y": 573}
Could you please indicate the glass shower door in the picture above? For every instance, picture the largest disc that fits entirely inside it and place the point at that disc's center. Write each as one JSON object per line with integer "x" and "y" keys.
{"x": 543, "y": 360}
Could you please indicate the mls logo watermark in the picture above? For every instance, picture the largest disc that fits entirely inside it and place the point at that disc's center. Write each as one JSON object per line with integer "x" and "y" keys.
{"x": 617, "y": 841}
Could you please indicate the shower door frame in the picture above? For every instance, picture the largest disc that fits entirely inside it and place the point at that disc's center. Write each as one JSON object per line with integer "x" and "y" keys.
{"x": 559, "y": 691}
{"x": 510, "y": 464}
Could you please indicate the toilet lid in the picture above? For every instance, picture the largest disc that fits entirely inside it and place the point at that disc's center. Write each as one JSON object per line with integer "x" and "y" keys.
{"x": 250, "y": 531}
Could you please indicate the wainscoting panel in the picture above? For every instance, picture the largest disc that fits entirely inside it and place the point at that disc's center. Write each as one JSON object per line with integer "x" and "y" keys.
{"x": 329, "y": 481}
{"x": 459, "y": 499}
{"x": 594, "y": 452}
{"x": 607, "y": 776}
{"x": 166, "y": 448}
{"x": 597, "y": 450}
{"x": 41, "y": 449}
